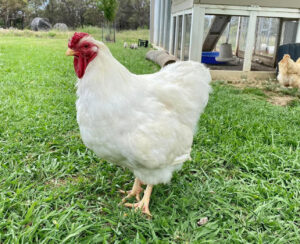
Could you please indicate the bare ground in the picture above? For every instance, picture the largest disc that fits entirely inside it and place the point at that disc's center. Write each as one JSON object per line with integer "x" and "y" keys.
{"x": 275, "y": 94}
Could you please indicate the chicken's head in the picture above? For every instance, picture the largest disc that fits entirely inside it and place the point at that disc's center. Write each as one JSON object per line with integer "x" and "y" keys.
{"x": 84, "y": 50}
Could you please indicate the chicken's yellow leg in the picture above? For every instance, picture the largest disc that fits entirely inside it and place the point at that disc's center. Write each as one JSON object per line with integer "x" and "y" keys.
{"x": 144, "y": 203}
{"x": 135, "y": 191}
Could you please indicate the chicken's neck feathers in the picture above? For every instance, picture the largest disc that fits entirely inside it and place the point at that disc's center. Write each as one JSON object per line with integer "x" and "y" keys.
{"x": 107, "y": 79}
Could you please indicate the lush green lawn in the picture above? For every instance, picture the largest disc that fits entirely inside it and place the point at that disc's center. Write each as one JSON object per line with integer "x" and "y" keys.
{"x": 244, "y": 175}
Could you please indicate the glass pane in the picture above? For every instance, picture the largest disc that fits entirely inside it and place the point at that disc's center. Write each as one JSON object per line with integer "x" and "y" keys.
{"x": 229, "y": 34}
{"x": 207, "y": 23}
{"x": 289, "y": 32}
{"x": 267, "y": 30}
{"x": 243, "y": 33}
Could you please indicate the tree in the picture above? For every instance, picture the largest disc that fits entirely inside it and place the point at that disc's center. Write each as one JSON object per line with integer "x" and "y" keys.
{"x": 133, "y": 14}
{"x": 109, "y": 8}
{"x": 124, "y": 14}
{"x": 141, "y": 13}
{"x": 12, "y": 10}
{"x": 92, "y": 15}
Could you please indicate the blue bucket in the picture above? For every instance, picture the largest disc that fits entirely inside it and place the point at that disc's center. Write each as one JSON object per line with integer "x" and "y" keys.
{"x": 210, "y": 58}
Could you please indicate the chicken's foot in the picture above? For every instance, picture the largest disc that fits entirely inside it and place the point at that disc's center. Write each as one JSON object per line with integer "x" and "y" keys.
{"x": 135, "y": 191}
{"x": 144, "y": 203}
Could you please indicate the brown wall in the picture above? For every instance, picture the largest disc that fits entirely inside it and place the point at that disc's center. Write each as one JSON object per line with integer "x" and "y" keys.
{"x": 262, "y": 3}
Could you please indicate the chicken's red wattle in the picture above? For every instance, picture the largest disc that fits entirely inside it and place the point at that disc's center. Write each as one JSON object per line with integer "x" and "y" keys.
{"x": 80, "y": 64}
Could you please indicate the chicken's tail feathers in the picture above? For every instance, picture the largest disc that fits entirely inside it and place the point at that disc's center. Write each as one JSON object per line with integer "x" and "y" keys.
{"x": 184, "y": 88}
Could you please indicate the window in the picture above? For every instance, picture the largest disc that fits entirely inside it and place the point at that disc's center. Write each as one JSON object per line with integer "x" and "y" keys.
{"x": 267, "y": 32}
{"x": 243, "y": 33}
{"x": 289, "y": 32}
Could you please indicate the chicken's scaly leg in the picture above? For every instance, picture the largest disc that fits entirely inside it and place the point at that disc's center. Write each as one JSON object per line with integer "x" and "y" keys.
{"x": 135, "y": 191}
{"x": 144, "y": 203}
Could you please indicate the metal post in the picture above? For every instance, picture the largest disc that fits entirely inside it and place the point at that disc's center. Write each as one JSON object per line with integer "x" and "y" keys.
{"x": 171, "y": 42}
{"x": 156, "y": 21}
{"x": 167, "y": 24}
{"x": 162, "y": 22}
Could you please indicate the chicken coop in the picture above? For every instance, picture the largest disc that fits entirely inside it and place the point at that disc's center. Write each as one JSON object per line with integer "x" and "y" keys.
{"x": 254, "y": 29}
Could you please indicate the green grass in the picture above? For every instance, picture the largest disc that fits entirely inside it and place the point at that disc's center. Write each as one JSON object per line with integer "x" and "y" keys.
{"x": 254, "y": 91}
{"x": 244, "y": 175}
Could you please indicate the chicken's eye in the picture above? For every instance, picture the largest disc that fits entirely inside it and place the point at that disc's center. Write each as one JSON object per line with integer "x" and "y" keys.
{"x": 86, "y": 46}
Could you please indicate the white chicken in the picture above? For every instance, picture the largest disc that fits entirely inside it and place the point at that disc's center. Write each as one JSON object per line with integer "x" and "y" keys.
{"x": 143, "y": 122}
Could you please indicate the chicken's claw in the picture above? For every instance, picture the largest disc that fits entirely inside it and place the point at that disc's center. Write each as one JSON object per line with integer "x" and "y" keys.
{"x": 130, "y": 194}
{"x": 144, "y": 207}
{"x": 144, "y": 203}
{"x": 135, "y": 191}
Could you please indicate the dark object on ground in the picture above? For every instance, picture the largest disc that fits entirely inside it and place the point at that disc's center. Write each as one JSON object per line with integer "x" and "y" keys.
{"x": 143, "y": 43}
{"x": 162, "y": 58}
{"x": 293, "y": 49}
{"x": 40, "y": 24}
{"x": 60, "y": 27}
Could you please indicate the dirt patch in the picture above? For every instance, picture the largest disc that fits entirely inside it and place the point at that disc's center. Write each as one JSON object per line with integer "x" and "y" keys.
{"x": 56, "y": 182}
{"x": 62, "y": 181}
{"x": 281, "y": 100}
{"x": 276, "y": 94}
{"x": 244, "y": 84}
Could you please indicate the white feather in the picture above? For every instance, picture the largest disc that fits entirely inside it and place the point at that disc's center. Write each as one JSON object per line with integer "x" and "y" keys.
{"x": 142, "y": 122}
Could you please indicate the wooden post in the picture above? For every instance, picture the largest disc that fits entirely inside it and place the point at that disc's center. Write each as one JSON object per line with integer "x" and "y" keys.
{"x": 197, "y": 33}
{"x": 183, "y": 37}
{"x": 251, "y": 33}
{"x": 298, "y": 32}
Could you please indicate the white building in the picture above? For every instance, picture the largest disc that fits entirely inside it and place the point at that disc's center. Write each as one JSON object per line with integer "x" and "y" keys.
{"x": 186, "y": 27}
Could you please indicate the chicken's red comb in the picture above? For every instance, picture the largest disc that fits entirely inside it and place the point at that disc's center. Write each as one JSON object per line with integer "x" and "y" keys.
{"x": 76, "y": 38}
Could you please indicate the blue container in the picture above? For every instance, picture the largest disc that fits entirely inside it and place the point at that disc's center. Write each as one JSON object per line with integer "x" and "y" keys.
{"x": 210, "y": 58}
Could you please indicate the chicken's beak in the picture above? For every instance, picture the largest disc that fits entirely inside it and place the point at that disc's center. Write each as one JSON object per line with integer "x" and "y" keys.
{"x": 70, "y": 52}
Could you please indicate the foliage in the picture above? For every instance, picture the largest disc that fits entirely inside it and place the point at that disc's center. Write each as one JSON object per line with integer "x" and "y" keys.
{"x": 244, "y": 173}
{"x": 133, "y": 14}
{"x": 12, "y": 10}
{"x": 109, "y": 8}
{"x": 75, "y": 13}
{"x": 71, "y": 12}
